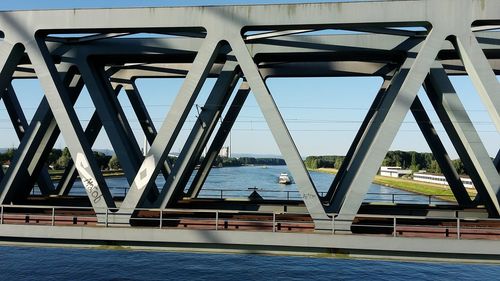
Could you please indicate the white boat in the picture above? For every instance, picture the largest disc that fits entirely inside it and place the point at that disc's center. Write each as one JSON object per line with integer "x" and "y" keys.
{"x": 284, "y": 179}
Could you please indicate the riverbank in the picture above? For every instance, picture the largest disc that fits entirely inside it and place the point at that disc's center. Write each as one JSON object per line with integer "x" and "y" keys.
{"x": 438, "y": 191}
{"x": 57, "y": 174}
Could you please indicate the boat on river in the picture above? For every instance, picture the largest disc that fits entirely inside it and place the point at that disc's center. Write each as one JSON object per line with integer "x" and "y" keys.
{"x": 284, "y": 179}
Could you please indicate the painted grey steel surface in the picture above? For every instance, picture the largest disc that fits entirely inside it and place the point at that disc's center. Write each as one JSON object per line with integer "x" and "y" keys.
{"x": 400, "y": 41}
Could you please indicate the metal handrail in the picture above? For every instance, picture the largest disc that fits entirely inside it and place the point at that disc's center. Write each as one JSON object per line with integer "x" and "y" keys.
{"x": 274, "y": 221}
{"x": 458, "y": 228}
{"x": 295, "y": 195}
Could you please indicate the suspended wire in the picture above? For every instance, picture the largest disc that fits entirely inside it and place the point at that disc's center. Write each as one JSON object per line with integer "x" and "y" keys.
{"x": 256, "y": 106}
{"x": 300, "y": 121}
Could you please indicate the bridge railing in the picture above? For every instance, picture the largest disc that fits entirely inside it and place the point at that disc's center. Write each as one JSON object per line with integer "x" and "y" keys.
{"x": 420, "y": 226}
{"x": 269, "y": 221}
{"x": 271, "y": 194}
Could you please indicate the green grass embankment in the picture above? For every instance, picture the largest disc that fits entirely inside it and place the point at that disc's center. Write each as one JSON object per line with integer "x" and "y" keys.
{"x": 435, "y": 190}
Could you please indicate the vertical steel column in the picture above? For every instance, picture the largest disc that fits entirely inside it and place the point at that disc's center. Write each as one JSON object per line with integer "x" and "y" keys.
{"x": 464, "y": 137}
{"x": 383, "y": 129}
{"x": 219, "y": 139}
{"x": 440, "y": 154}
{"x": 200, "y": 133}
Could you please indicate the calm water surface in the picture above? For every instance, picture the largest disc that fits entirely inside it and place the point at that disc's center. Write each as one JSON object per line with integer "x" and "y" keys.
{"x": 24, "y": 263}
{"x": 240, "y": 182}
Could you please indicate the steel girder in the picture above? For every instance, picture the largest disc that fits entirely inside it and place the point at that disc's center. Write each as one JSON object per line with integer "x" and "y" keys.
{"x": 403, "y": 57}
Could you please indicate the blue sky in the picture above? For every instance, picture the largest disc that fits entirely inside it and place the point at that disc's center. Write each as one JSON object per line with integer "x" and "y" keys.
{"x": 323, "y": 114}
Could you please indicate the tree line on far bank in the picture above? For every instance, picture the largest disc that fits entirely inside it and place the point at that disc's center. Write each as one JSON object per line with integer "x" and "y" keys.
{"x": 410, "y": 160}
{"x": 246, "y": 161}
{"x": 59, "y": 159}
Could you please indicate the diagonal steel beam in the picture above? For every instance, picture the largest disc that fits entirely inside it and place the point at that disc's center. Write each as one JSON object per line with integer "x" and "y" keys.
{"x": 86, "y": 39}
{"x": 440, "y": 154}
{"x": 144, "y": 118}
{"x": 37, "y": 143}
{"x": 21, "y": 124}
{"x": 343, "y": 169}
{"x": 219, "y": 139}
{"x": 10, "y": 56}
{"x": 464, "y": 137}
{"x": 173, "y": 123}
{"x": 45, "y": 139}
{"x": 383, "y": 129}
{"x": 482, "y": 76}
{"x": 113, "y": 118}
{"x": 200, "y": 134}
{"x": 92, "y": 130}
{"x": 275, "y": 33}
{"x": 497, "y": 161}
{"x": 60, "y": 104}
{"x": 280, "y": 132}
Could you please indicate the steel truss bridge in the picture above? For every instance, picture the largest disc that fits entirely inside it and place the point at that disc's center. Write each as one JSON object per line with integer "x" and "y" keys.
{"x": 408, "y": 44}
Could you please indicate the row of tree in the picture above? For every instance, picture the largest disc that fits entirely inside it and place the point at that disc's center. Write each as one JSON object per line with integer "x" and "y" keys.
{"x": 245, "y": 161}
{"x": 411, "y": 160}
{"x": 59, "y": 159}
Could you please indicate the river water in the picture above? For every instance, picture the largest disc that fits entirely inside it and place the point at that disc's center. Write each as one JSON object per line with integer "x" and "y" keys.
{"x": 25, "y": 263}
{"x": 233, "y": 182}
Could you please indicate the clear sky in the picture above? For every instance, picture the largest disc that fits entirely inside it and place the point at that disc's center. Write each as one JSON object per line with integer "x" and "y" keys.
{"x": 323, "y": 114}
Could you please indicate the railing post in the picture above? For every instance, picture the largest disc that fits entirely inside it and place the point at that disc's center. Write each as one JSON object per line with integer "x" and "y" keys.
{"x": 216, "y": 220}
{"x": 458, "y": 228}
{"x": 106, "y": 219}
{"x": 161, "y": 218}
{"x": 394, "y": 227}
{"x": 274, "y": 222}
{"x": 430, "y": 199}
{"x": 221, "y": 192}
{"x": 393, "y": 198}
{"x": 53, "y": 216}
{"x": 1, "y": 215}
{"x": 333, "y": 224}
{"x": 288, "y": 195}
